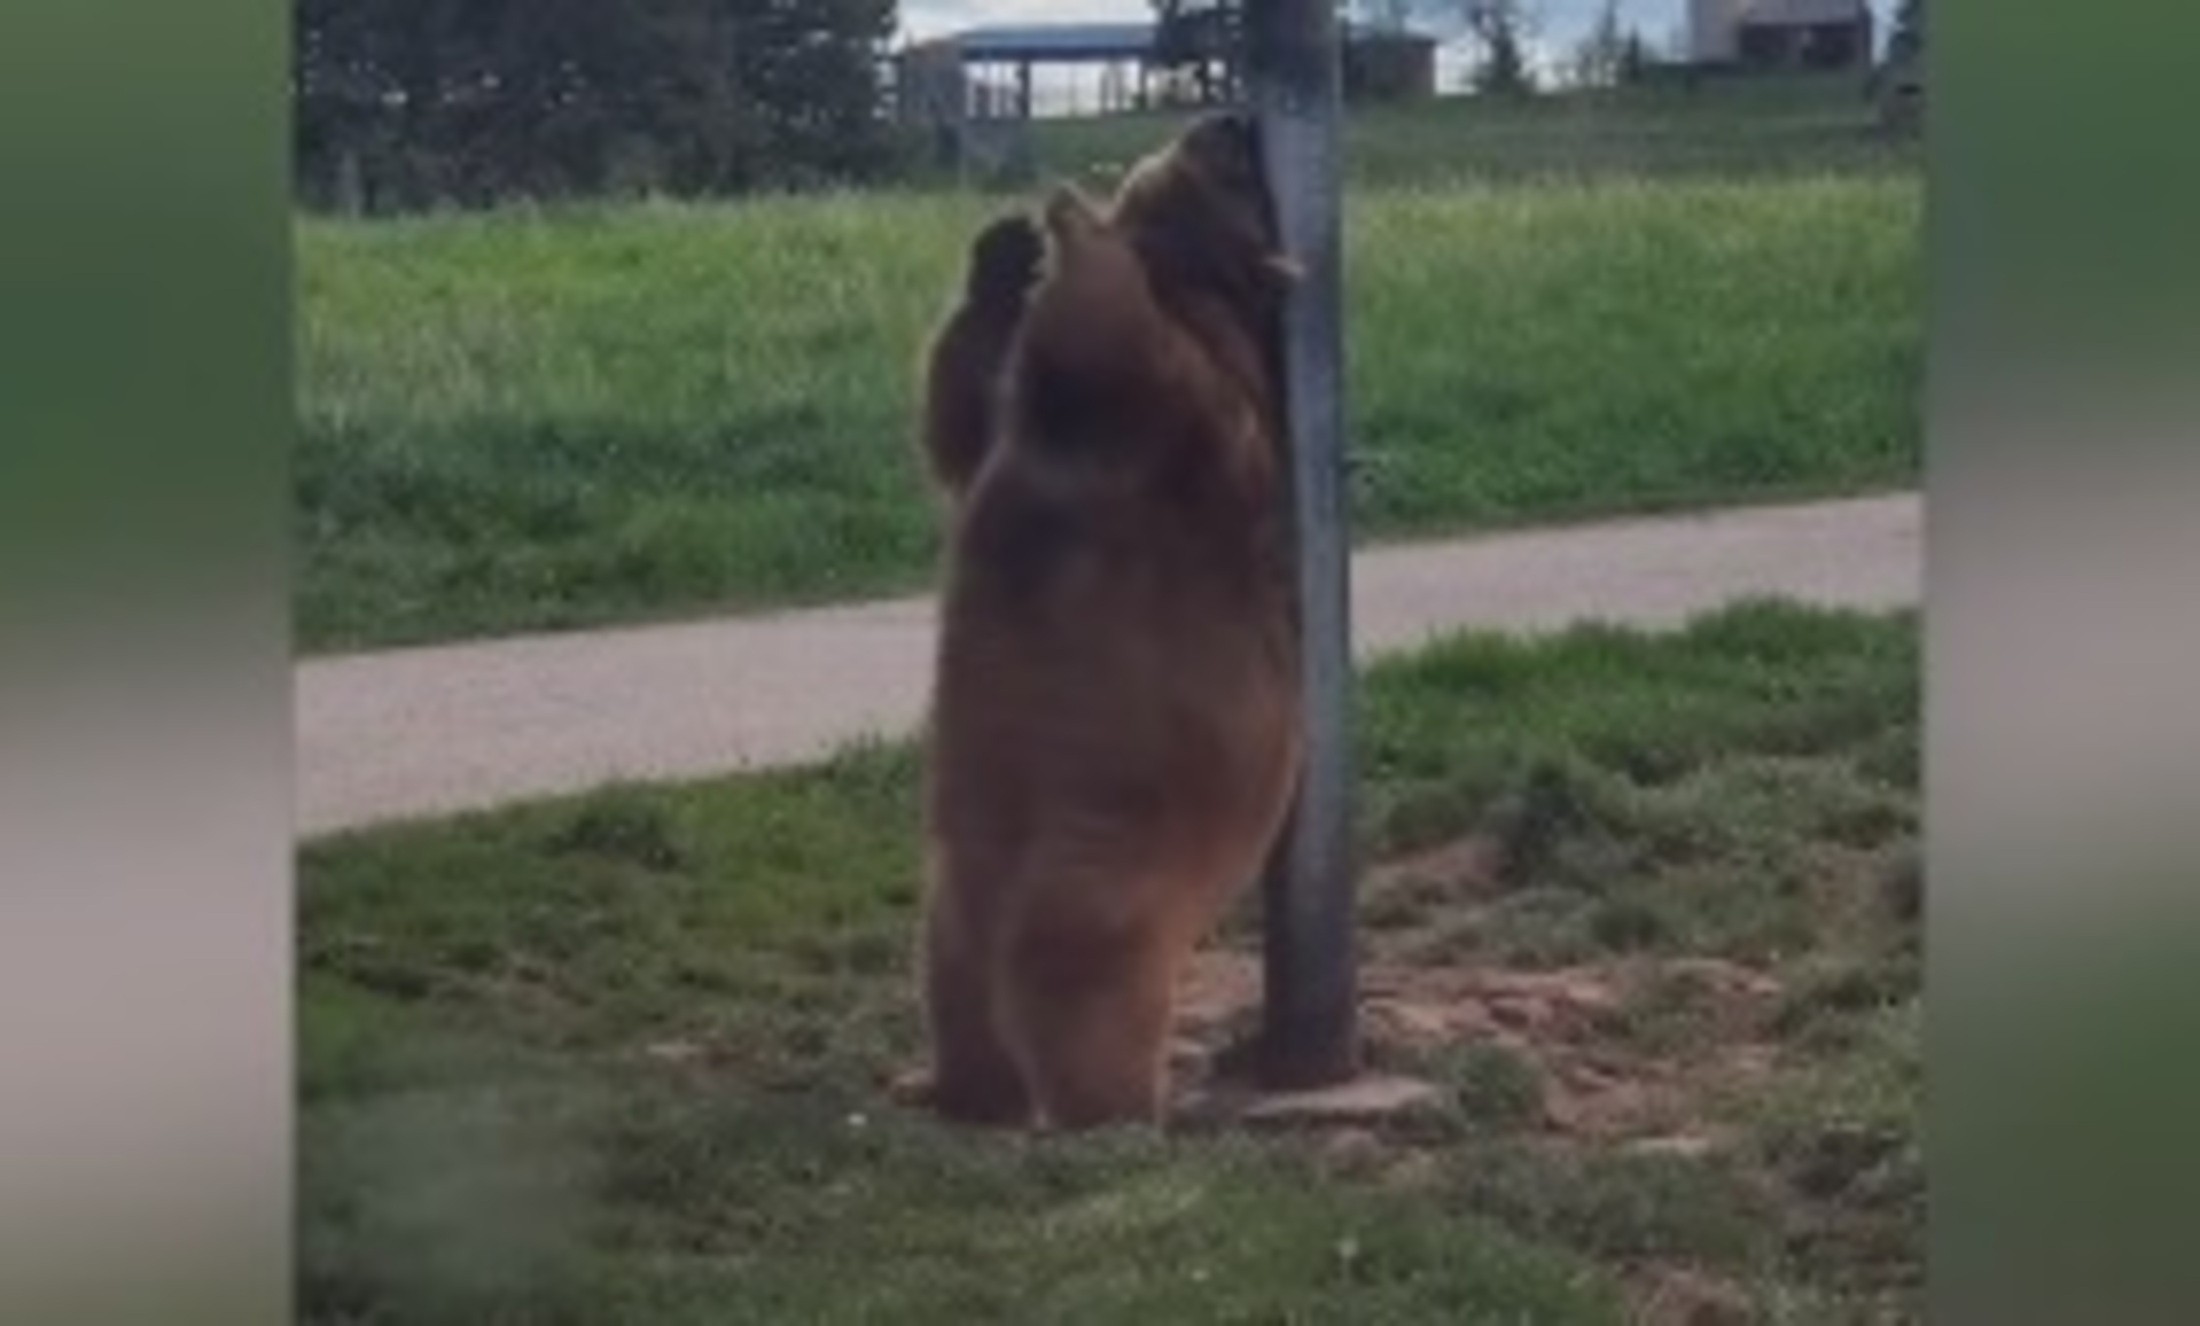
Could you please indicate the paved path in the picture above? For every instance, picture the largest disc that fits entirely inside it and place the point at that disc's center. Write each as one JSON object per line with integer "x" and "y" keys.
{"x": 425, "y": 731}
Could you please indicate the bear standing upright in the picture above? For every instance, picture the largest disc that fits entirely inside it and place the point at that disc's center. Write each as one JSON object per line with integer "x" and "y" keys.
{"x": 1116, "y": 729}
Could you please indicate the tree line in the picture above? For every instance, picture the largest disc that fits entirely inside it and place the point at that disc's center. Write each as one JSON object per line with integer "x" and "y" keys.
{"x": 403, "y": 104}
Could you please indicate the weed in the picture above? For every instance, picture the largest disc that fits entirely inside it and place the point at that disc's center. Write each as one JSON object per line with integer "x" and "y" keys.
{"x": 1619, "y": 1206}
{"x": 1492, "y": 1086}
{"x": 623, "y": 825}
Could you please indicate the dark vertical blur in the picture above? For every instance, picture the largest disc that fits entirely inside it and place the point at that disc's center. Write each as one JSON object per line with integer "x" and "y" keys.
{"x": 144, "y": 748}
{"x": 2064, "y": 608}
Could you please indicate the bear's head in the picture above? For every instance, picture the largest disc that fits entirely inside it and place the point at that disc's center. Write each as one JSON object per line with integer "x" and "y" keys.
{"x": 1162, "y": 304}
{"x": 1198, "y": 215}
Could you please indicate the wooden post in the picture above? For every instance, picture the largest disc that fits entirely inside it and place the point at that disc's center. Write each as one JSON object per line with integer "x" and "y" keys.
{"x": 1308, "y": 1032}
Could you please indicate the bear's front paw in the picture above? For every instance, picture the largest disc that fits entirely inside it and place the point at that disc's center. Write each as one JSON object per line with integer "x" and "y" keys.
{"x": 1004, "y": 262}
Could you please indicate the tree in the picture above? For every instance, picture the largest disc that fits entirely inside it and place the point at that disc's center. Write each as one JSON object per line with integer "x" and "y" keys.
{"x": 1204, "y": 36}
{"x": 1634, "y": 59}
{"x": 1599, "y": 55}
{"x": 1898, "y": 82}
{"x": 1907, "y": 40}
{"x": 1499, "y": 26}
{"x": 423, "y": 102}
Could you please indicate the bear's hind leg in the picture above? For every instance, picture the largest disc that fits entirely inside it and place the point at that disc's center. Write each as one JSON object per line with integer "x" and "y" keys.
{"x": 974, "y": 1079}
{"x": 1088, "y": 1015}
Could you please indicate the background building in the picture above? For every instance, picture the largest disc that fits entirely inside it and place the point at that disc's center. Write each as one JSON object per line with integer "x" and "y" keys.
{"x": 1781, "y": 34}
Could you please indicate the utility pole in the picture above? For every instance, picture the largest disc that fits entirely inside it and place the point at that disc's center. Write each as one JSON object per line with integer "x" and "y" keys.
{"x": 1310, "y": 1001}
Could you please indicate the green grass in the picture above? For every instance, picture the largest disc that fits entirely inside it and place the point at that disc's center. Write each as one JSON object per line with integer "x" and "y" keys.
{"x": 533, "y": 420}
{"x": 1749, "y": 128}
{"x": 621, "y": 1057}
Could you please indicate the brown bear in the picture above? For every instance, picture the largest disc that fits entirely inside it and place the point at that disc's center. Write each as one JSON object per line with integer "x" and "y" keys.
{"x": 1116, "y": 729}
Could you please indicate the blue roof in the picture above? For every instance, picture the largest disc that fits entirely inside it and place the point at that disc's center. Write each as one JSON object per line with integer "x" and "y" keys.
{"x": 1056, "y": 41}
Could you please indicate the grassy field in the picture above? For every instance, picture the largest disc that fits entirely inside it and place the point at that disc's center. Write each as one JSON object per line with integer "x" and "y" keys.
{"x": 1727, "y": 129}
{"x": 1645, "y": 907}
{"x": 540, "y": 420}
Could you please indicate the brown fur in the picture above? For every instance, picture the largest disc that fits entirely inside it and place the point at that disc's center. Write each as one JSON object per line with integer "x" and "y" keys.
{"x": 970, "y": 349}
{"x": 1116, "y": 725}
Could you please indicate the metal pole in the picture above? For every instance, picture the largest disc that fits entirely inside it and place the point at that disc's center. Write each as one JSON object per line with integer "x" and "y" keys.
{"x": 1308, "y": 1032}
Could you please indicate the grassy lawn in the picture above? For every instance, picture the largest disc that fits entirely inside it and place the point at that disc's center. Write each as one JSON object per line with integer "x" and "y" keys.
{"x": 1746, "y": 128}
{"x": 538, "y": 420}
{"x": 1645, "y": 906}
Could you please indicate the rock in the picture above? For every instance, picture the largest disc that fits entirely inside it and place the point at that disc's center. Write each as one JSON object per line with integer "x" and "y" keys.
{"x": 1687, "y": 1146}
{"x": 674, "y": 1052}
{"x": 1363, "y": 1100}
{"x": 1351, "y": 1152}
{"x": 911, "y": 1088}
{"x": 1517, "y": 1012}
{"x": 1413, "y": 1023}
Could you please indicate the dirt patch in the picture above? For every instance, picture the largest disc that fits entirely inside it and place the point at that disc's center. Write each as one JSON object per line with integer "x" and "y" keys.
{"x": 1466, "y": 868}
{"x": 1682, "y": 1116}
{"x": 1684, "y": 1296}
{"x": 1633, "y": 1049}
{"x": 1571, "y": 1026}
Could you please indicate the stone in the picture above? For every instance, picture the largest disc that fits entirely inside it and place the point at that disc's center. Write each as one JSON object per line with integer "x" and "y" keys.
{"x": 674, "y": 1052}
{"x": 1363, "y": 1100}
{"x": 1685, "y": 1146}
{"x": 1351, "y": 1152}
